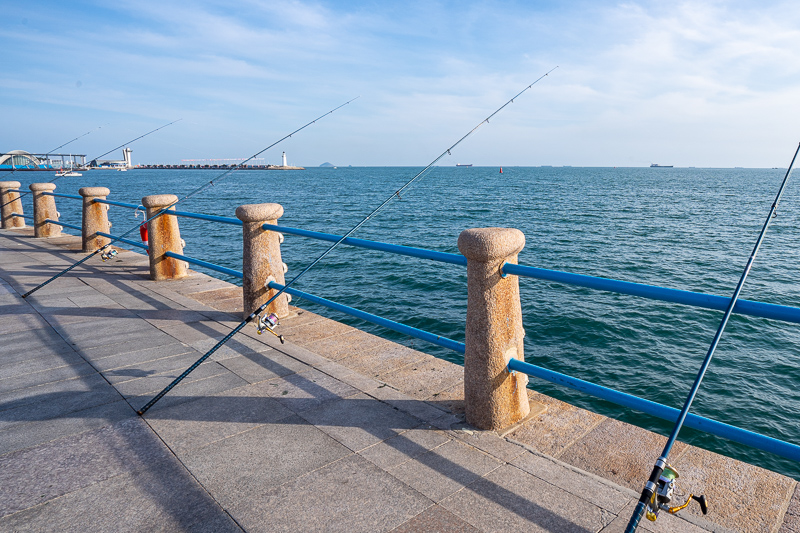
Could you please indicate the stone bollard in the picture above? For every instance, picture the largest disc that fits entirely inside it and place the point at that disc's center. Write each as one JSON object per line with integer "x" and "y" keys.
{"x": 11, "y": 204}
{"x": 494, "y": 398}
{"x": 164, "y": 236}
{"x": 95, "y": 218}
{"x": 261, "y": 258}
{"x": 44, "y": 207}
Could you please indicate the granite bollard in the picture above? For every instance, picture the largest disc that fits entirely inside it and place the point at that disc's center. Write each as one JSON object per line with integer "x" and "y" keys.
{"x": 95, "y": 218}
{"x": 164, "y": 236}
{"x": 261, "y": 258}
{"x": 44, "y": 207}
{"x": 11, "y": 204}
{"x": 494, "y": 398}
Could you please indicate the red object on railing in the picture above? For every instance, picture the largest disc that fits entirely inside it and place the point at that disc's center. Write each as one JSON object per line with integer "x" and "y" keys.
{"x": 143, "y": 234}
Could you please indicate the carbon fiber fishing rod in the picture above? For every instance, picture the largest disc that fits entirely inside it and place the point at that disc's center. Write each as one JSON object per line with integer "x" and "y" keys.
{"x": 267, "y": 323}
{"x": 48, "y": 154}
{"x": 658, "y": 491}
{"x": 211, "y": 183}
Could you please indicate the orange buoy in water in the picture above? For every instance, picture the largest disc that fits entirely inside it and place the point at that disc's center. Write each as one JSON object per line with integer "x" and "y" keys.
{"x": 501, "y": 170}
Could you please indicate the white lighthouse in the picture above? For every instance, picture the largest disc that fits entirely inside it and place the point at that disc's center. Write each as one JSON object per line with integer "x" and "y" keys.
{"x": 126, "y": 154}
{"x": 283, "y": 164}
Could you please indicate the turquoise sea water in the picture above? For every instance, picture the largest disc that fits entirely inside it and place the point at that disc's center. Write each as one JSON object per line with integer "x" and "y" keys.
{"x": 689, "y": 229}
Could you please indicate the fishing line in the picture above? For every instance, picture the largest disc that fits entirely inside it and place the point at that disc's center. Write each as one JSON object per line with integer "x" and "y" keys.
{"x": 48, "y": 153}
{"x": 163, "y": 210}
{"x": 99, "y": 156}
{"x": 269, "y": 322}
{"x": 657, "y": 492}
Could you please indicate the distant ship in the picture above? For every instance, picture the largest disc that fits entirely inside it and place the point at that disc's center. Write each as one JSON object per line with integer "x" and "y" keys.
{"x": 656, "y": 165}
{"x": 463, "y": 164}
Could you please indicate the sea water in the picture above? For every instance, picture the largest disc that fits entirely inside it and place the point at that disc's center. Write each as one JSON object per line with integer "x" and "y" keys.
{"x": 683, "y": 228}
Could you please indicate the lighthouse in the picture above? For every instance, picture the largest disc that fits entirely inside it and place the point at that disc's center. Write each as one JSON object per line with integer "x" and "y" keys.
{"x": 284, "y": 160}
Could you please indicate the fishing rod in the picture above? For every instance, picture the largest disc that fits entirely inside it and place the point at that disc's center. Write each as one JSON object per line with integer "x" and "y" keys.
{"x": 48, "y": 154}
{"x": 267, "y": 323}
{"x": 107, "y": 255}
{"x": 658, "y": 491}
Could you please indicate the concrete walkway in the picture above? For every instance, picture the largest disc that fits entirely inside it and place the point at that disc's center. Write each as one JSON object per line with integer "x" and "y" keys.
{"x": 337, "y": 430}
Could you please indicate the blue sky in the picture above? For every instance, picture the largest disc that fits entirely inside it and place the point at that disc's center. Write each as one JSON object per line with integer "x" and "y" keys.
{"x": 691, "y": 84}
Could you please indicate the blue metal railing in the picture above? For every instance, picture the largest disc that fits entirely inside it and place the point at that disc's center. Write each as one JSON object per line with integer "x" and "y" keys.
{"x": 442, "y": 257}
{"x": 63, "y": 224}
{"x": 18, "y": 215}
{"x": 756, "y": 440}
{"x": 122, "y": 239}
{"x": 653, "y": 292}
{"x": 60, "y": 195}
{"x": 118, "y": 204}
{"x": 438, "y": 340}
{"x": 706, "y": 301}
{"x": 200, "y": 262}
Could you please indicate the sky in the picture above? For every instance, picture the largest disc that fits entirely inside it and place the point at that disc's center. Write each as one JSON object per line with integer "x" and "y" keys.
{"x": 701, "y": 83}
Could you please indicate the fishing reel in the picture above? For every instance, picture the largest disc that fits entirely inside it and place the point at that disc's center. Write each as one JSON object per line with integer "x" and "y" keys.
{"x": 110, "y": 254}
{"x": 662, "y": 497}
{"x": 268, "y": 323}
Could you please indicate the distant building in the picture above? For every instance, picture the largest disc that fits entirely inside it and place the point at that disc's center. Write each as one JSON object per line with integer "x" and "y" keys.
{"x": 22, "y": 160}
{"x": 111, "y": 163}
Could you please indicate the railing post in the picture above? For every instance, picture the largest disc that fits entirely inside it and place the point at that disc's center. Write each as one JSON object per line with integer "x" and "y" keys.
{"x": 11, "y": 204}
{"x": 44, "y": 207}
{"x": 494, "y": 398}
{"x": 261, "y": 258}
{"x": 95, "y": 218}
{"x": 163, "y": 236}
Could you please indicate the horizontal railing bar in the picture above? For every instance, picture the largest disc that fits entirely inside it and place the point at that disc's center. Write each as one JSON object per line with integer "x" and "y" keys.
{"x": 213, "y": 218}
{"x": 47, "y": 220}
{"x": 120, "y": 204}
{"x": 653, "y": 292}
{"x": 19, "y": 215}
{"x": 16, "y": 190}
{"x": 120, "y": 239}
{"x": 60, "y": 195}
{"x": 438, "y": 340}
{"x": 206, "y": 264}
{"x": 455, "y": 259}
{"x": 720, "y": 429}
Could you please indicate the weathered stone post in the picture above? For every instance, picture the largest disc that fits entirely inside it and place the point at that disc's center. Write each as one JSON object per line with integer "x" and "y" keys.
{"x": 44, "y": 207}
{"x": 261, "y": 258}
{"x": 494, "y": 398}
{"x": 95, "y": 218}
{"x": 164, "y": 236}
{"x": 11, "y": 204}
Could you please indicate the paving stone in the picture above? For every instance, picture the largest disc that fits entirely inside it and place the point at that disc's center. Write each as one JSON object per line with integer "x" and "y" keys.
{"x": 245, "y": 466}
{"x": 36, "y": 475}
{"x": 137, "y": 357}
{"x": 666, "y": 523}
{"x": 128, "y": 344}
{"x": 156, "y": 382}
{"x": 791, "y": 520}
{"x": 309, "y": 390}
{"x": 348, "y": 496}
{"x": 619, "y": 452}
{"x": 419, "y": 409}
{"x": 360, "y": 421}
{"x": 578, "y": 483}
{"x": 346, "y": 344}
{"x": 445, "y": 470}
{"x": 727, "y": 483}
{"x": 423, "y": 378}
{"x": 173, "y": 364}
{"x": 42, "y": 377}
{"x": 143, "y": 500}
{"x": 509, "y": 499}
{"x": 41, "y": 360}
{"x": 491, "y": 443}
{"x": 255, "y": 367}
{"x": 188, "y": 390}
{"x": 32, "y": 433}
{"x": 209, "y": 419}
{"x": 22, "y": 321}
{"x": 557, "y": 428}
{"x": 404, "y": 447}
{"x": 435, "y": 519}
{"x": 305, "y": 334}
{"x": 386, "y": 359}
